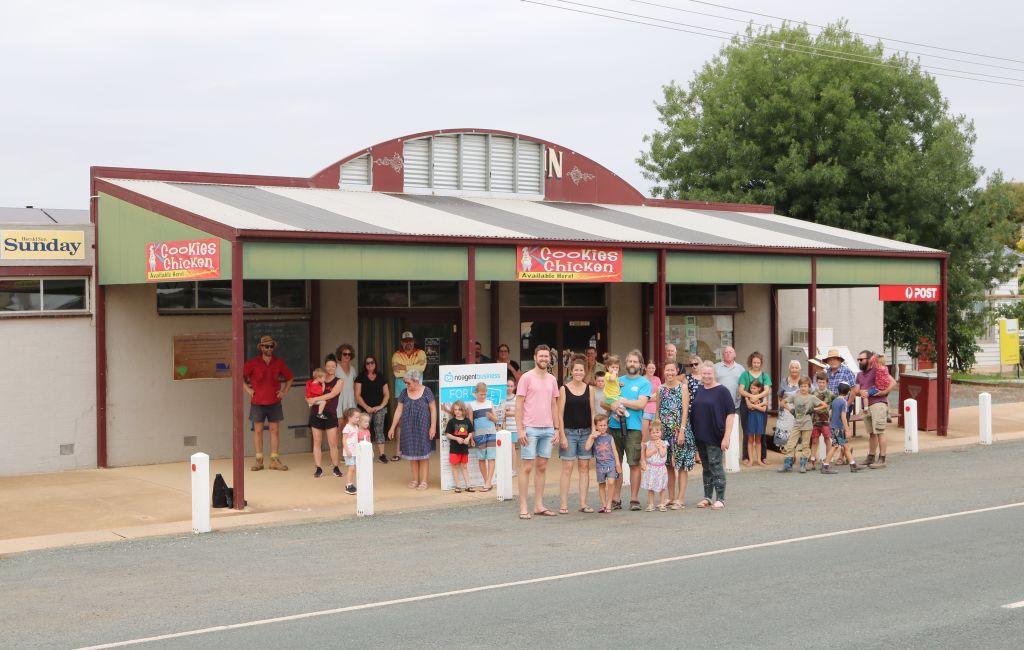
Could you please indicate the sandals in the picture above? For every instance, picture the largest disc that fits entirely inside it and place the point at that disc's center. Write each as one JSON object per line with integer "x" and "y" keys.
{"x": 634, "y": 506}
{"x": 704, "y": 503}
{"x": 525, "y": 515}
{"x": 458, "y": 490}
{"x": 662, "y": 508}
{"x": 650, "y": 508}
{"x": 487, "y": 489}
{"x": 675, "y": 505}
{"x": 396, "y": 458}
{"x": 616, "y": 505}
{"x": 605, "y": 511}
{"x": 586, "y": 509}
{"x": 412, "y": 485}
{"x": 718, "y": 506}
{"x": 545, "y": 513}
{"x": 421, "y": 486}
{"x": 563, "y": 511}
{"x": 471, "y": 489}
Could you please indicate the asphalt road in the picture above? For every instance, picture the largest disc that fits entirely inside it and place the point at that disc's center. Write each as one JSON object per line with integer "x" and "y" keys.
{"x": 737, "y": 578}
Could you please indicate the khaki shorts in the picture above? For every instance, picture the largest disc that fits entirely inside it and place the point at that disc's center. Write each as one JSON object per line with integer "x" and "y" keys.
{"x": 628, "y": 443}
{"x": 875, "y": 417}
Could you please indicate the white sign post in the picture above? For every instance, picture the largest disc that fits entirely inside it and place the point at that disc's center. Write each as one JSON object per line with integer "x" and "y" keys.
{"x": 503, "y": 466}
{"x": 364, "y": 478}
{"x": 910, "y": 426}
{"x": 732, "y": 454}
{"x": 985, "y": 419}
{"x": 457, "y": 383}
{"x": 200, "y": 493}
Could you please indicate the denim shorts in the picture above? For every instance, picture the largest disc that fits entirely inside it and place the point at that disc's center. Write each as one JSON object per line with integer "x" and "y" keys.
{"x": 539, "y": 442}
{"x": 649, "y": 416}
{"x": 260, "y": 412}
{"x": 485, "y": 453}
{"x": 604, "y": 475}
{"x": 577, "y": 449}
{"x": 350, "y": 461}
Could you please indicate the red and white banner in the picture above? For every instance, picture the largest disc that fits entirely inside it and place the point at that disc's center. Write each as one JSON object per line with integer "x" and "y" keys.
{"x": 187, "y": 259}
{"x": 544, "y": 263}
{"x": 909, "y": 293}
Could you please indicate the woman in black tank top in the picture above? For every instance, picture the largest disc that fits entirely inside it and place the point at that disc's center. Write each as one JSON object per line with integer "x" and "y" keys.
{"x": 329, "y": 425}
{"x": 576, "y": 420}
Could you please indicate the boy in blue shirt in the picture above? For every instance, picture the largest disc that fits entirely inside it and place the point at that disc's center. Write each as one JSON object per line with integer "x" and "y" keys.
{"x": 840, "y": 425}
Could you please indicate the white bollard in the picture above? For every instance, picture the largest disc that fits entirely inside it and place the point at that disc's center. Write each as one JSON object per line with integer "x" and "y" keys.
{"x": 910, "y": 426}
{"x": 503, "y": 465}
{"x": 985, "y": 418}
{"x": 732, "y": 454}
{"x": 858, "y": 405}
{"x": 364, "y": 478}
{"x": 823, "y": 444}
{"x": 625, "y": 469}
{"x": 200, "y": 493}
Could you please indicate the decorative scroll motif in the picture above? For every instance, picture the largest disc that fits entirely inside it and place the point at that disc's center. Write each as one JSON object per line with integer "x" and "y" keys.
{"x": 395, "y": 162}
{"x": 575, "y": 175}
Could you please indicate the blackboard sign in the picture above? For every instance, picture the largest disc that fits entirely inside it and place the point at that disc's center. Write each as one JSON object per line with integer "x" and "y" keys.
{"x": 292, "y": 338}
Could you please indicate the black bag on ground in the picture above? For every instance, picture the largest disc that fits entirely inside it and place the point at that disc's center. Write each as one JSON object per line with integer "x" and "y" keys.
{"x": 221, "y": 493}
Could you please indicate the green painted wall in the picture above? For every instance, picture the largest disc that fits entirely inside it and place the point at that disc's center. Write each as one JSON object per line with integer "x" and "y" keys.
{"x": 722, "y": 268}
{"x": 875, "y": 271}
{"x": 493, "y": 264}
{"x": 315, "y": 261}
{"x": 639, "y": 266}
{"x": 125, "y": 229}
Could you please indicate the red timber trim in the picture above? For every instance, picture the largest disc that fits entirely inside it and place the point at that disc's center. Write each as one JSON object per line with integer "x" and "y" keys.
{"x": 292, "y": 236}
{"x": 45, "y": 271}
{"x": 660, "y": 313}
{"x": 469, "y": 324}
{"x": 175, "y": 176}
{"x": 942, "y": 351}
{"x": 812, "y": 317}
{"x": 215, "y": 228}
{"x": 237, "y": 364}
{"x": 709, "y": 205}
{"x": 100, "y": 311}
{"x": 774, "y": 334}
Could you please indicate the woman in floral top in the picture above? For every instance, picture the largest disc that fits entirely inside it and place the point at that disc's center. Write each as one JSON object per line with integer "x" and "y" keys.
{"x": 693, "y": 382}
{"x": 673, "y": 409}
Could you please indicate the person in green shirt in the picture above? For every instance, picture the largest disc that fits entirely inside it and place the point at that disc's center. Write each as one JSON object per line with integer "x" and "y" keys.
{"x": 755, "y": 363}
{"x": 802, "y": 406}
{"x": 822, "y": 431}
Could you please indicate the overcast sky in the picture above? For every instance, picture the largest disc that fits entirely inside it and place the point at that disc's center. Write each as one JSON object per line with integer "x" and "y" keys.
{"x": 286, "y": 88}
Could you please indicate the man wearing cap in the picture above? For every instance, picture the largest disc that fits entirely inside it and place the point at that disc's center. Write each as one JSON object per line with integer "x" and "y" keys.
{"x": 407, "y": 357}
{"x": 263, "y": 376}
{"x": 837, "y": 371}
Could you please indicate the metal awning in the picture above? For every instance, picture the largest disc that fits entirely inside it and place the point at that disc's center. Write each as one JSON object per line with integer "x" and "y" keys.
{"x": 307, "y": 210}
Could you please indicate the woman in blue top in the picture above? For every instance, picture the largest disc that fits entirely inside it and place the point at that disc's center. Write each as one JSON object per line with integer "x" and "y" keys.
{"x": 713, "y": 412}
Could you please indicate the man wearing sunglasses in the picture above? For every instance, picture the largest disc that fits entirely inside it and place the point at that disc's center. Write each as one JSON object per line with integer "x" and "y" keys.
{"x": 263, "y": 376}
{"x": 876, "y": 412}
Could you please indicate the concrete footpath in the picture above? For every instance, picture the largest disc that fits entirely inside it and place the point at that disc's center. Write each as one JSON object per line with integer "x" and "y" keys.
{"x": 103, "y": 505}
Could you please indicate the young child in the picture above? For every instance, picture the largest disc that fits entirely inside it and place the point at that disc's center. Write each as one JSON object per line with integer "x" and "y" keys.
{"x": 509, "y": 422}
{"x": 484, "y": 433}
{"x": 821, "y": 433}
{"x": 458, "y": 431}
{"x": 612, "y": 388}
{"x": 364, "y": 427}
{"x": 757, "y": 421}
{"x": 349, "y": 438}
{"x": 598, "y": 391}
{"x": 606, "y": 460}
{"x": 655, "y": 478}
{"x": 840, "y": 432}
{"x": 315, "y": 388}
{"x": 801, "y": 405}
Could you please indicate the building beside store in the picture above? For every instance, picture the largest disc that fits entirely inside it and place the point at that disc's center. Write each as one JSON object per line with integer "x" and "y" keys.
{"x": 427, "y": 233}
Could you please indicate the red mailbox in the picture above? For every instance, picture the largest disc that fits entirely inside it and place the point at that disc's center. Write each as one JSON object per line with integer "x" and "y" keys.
{"x": 923, "y": 387}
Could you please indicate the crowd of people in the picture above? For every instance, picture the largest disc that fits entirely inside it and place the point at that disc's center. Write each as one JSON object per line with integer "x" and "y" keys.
{"x": 621, "y": 414}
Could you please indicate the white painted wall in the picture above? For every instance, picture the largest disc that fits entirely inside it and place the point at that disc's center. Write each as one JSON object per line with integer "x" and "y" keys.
{"x": 752, "y": 327}
{"x": 149, "y": 414}
{"x": 625, "y": 329}
{"x": 49, "y": 393}
{"x": 854, "y": 314}
{"x": 339, "y": 317}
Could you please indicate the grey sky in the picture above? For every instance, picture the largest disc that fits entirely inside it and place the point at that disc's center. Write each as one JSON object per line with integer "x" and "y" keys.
{"x": 285, "y": 88}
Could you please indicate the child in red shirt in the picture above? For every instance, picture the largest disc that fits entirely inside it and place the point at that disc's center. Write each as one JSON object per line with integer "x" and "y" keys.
{"x": 315, "y": 388}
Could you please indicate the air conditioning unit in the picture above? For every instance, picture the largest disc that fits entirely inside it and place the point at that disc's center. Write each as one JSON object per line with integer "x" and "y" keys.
{"x": 824, "y": 336}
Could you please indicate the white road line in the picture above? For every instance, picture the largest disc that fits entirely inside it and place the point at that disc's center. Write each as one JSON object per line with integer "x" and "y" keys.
{"x": 561, "y": 576}
{"x": 1014, "y": 605}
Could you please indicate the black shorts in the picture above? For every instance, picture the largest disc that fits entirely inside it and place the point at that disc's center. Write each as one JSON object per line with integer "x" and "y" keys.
{"x": 328, "y": 421}
{"x": 260, "y": 412}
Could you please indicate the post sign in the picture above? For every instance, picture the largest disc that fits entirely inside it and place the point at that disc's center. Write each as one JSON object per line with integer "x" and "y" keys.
{"x": 549, "y": 263}
{"x": 909, "y": 293}
{"x": 42, "y": 244}
{"x": 187, "y": 259}
{"x": 1009, "y": 342}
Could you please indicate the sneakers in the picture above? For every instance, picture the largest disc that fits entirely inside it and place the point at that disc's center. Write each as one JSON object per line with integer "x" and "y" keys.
{"x": 825, "y": 469}
{"x": 878, "y": 464}
{"x": 336, "y": 472}
{"x": 870, "y": 459}
{"x": 275, "y": 463}
{"x": 258, "y": 465}
{"x": 319, "y": 472}
{"x": 383, "y": 458}
{"x": 350, "y": 489}
{"x": 856, "y": 468}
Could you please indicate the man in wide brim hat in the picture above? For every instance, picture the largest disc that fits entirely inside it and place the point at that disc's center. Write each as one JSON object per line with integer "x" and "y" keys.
{"x": 837, "y": 372}
{"x": 263, "y": 376}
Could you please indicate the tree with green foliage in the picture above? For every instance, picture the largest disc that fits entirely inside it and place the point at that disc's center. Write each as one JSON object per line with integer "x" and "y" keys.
{"x": 828, "y": 129}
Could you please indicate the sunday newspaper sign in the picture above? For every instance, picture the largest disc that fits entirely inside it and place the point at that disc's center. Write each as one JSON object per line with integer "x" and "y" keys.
{"x": 548, "y": 263}
{"x": 187, "y": 259}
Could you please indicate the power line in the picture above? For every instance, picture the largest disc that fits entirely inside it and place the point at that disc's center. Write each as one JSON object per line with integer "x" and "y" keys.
{"x": 780, "y": 45}
{"x": 883, "y": 38}
{"x": 891, "y": 49}
{"x": 850, "y": 56}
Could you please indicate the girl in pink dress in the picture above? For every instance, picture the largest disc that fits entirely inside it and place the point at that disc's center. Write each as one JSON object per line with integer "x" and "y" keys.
{"x": 655, "y": 477}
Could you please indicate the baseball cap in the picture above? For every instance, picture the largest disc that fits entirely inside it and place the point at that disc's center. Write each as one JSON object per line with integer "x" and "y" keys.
{"x": 407, "y": 335}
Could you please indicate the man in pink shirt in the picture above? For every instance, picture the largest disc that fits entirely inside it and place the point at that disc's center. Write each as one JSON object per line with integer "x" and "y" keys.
{"x": 536, "y": 400}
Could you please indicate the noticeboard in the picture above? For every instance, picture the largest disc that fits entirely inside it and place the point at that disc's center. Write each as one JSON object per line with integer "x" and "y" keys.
{"x": 202, "y": 356}
{"x": 292, "y": 338}
{"x": 1009, "y": 342}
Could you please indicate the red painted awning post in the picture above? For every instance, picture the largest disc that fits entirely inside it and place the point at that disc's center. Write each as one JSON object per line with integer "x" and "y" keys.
{"x": 237, "y": 363}
{"x": 469, "y": 326}
{"x": 812, "y": 317}
{"x": 100, "y": 311}
{"x": 942, "y": 348}
{"x": 774, "y": 334}
{"x": 661, "y": 298}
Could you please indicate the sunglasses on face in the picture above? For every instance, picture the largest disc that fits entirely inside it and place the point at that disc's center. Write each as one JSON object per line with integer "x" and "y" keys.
{"x": 268, "y": 346}
{"x": 371, "y": 363}
{"x": 694, "y": 365}
{"x": 862, "y": 360}
{"x": 346, "y": 354}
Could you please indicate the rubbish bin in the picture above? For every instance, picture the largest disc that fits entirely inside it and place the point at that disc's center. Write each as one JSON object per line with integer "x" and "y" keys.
{"x": 923, "y": 387}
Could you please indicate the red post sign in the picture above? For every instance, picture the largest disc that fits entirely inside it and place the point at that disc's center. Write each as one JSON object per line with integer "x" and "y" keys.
{"x": 547, "y": 263}
{"x": 187, "y": 259}
{"x": 908, "y": 293}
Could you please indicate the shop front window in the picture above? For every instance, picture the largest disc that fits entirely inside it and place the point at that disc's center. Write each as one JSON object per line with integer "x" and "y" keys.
{"x": 52, "y": 295}
{"x": 214, "y": 296}
{"x": 705, "y": 335}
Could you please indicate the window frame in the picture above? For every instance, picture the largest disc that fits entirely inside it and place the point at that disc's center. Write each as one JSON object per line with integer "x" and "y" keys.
{"x": 713, "y": 309}
{"x": 49, "y": 313}
{"x": 195, "y": 309}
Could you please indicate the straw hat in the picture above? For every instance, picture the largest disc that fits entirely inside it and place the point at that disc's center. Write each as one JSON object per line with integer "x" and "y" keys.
{"x": 267, "y": 339}
{"x": 833, "y": 353}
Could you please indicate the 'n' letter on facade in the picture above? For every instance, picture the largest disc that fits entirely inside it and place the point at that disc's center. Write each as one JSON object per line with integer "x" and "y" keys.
{"x": 554, "y": 163}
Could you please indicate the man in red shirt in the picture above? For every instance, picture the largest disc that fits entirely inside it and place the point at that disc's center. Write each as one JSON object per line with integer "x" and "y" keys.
{"x": 263, "y": 376}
